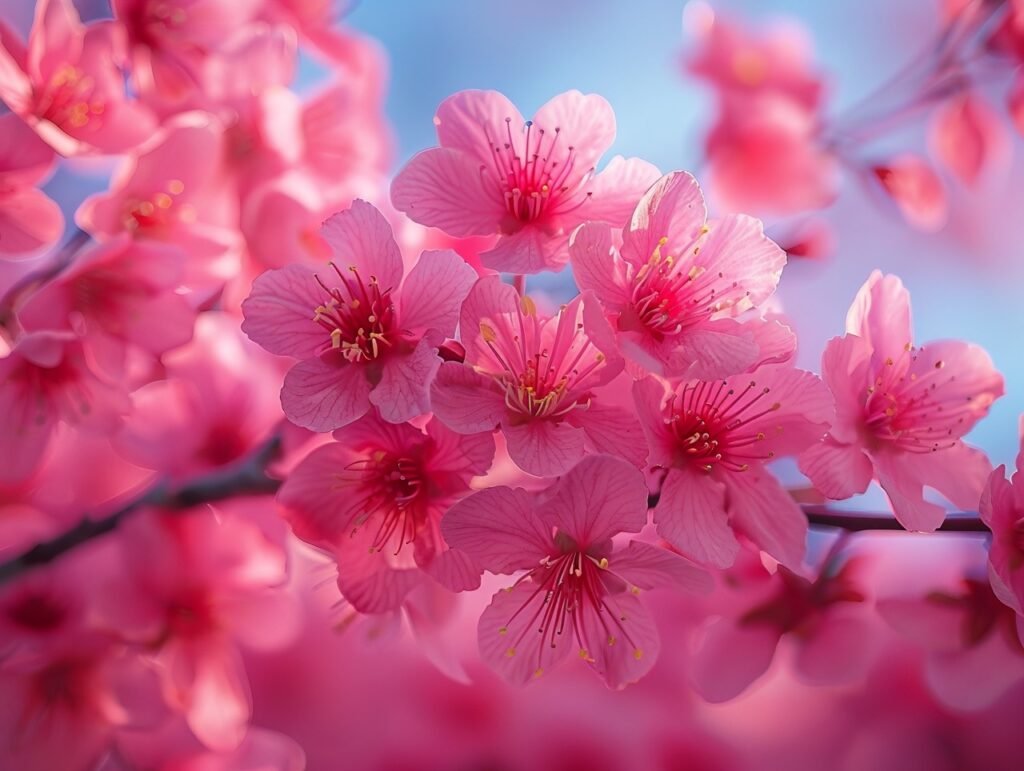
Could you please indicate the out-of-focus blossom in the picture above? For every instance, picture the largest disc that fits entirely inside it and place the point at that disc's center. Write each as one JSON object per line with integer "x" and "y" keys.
{"x": 29, "y": 220}
{"x": 212, "y": 407}
{"x": 375, "y": 499}
{"x": 196, "y": 585}
{"x": 45, "y": 380}
{"x": 826, "y": 620}
{"x": 531, "y": 181}
{"x": 1002, "y": 509}
{"x": 714, "y": 437}
{"x": 677, "y": 291}
{"x": 68, "y": 83}
{"x": 901, "y": 411}
{"x": 116, "y": 294}
{"x": 543, "y": 380}
{"x": 363, "y": 335}
{"x": 916, "y": 189}
{"x": 968, "y": 136}
{"x": 578, "y": 587}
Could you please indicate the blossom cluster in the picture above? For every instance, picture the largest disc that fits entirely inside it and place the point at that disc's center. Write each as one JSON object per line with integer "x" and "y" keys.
{"x": 253, "y": 305}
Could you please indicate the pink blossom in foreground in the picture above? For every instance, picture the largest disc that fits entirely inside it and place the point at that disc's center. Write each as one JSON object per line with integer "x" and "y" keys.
{"x": 715, "y": 437}
{"x": 196, "y": 584}
{"x": 531, "y": 181}
{"x": 45, "y": 380}
{"x": 67, "y": 84}
{"x": 677, "y": 291}
{"x": 901, "y": 411}
{"x": 117, "y": 294}
{"x": 825, "y": 620}
{"x": 363, "y": 335}
{"x": 375, "y": 498}
{"x": 579, "y": 592}
{"x": 543, "y": 380}
{"x": 1002, "y": 509}
{"x": 29, "y": 220}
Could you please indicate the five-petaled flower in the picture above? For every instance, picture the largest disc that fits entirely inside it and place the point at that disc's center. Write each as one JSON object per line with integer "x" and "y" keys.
{"x": 363, "y": 335}
{"x": 680, "y": 290}
{"x": 901, "y": 410}
{"x": 577, "y": 586}
{"x": 530, "y": 181}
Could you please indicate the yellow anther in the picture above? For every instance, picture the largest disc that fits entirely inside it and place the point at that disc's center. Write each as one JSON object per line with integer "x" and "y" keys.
{"x": 603, "y": 564}
{"x": 529, "y": 308}
{"x": 638, "y": 654}
{"x": 510, "y": 652}
{"x": 175, "y": 186}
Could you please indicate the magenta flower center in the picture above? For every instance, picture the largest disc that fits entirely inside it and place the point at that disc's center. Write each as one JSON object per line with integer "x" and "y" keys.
{"x": 712, "y": 424}
{"x": 541, "y": 381}
{"x": 37, "y": 612}
{"x": 540, "y": 180}
{"x": 359, "y": 316}
{"x": 393, "y": 490}
{"x": 66, "y": 99}
{"x": 669, "y": 297}
{"x": 901, "y": 408}
{"x": 566, "y": 584}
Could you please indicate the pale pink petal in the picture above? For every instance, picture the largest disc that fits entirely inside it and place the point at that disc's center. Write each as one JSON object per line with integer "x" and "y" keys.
{"x": 838, "y": 471}
{"x": 649, "y": 396}
{"x": 626, "y": 652}
{"x": 615, "y": 191}
{"x": 596, "y": 267}
{"x": 322, "y": 397}
{"x": 691, "y": 516}
{"x": 366, "y": 577}
{"x": 586, "y": 124}
{"x": 917, "y": 190}
{"x": 220, "y": 704}
{"x": 967, "y": 136}
{"x": 475, "y": 121}
{"x": 433, "y": 292}
{"x": 958, "y": 472}
{"x": 404, "y": 388}
{"x": 469, "y": 455}
{"x": 498, "y": 529}
{"x": 495, "y": 304}
{"x": 650, "y": 567}
{"x": 998, "y": 505}
{"x": 738, "y": 251}
{"x": 762, "y": 510}
{"x": 673, "y": 208}
{"x": 899, "y": 478}
{"x": 15, "y": 86}
{"x": 446, "y": 189}
{"x": 280, "y": 309}
{"x": 466, "y": 401}
{"x": 776, "y": 341}
{"x": 975, "y": 678}
{"x": 361, "y": 238}
{"x": 454, "y": 570}
{"x": 879, "y": 315}
{"x": 29, "y": 220}
{"x": 600, "y": 497}
{"x": 717, "y": 349}
{"x": 530, "y": 250}
{"x": 840, "y": 649}
{"x": 544, "y": 447}
{"x": 56, "y": 37}
{"x": 612, "y": 430}
{"x": 508, "y": 636}
{"x": 731, "y": 657}
{"x": 320, "y": 507}
{"x": 798, "y": 409}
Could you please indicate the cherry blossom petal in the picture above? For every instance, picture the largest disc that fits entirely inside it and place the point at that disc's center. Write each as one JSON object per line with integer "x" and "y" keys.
{"x": 498, "y": 529}
{"x": 360, "y": 237}
{"x": 587, "y": 125}
{"x": 543, "y": 447}
{"x": 367, "y": 579}
{"x": 649, "y": 397}
{"x": 314, "y": 495}
{"x": 434, "y": 290}
{"x": 322, "y": 397}
{"x": 454, "y": 570}
{"x": 839, "y": 471}
{"x": 760, "y": 508}
{"x": 596, "y": 267}
{"x": 472, "y": 121}
{"x": 280, "y": 309}
{"x": 616, "y": 189}
{"x": 691, "y": 516}
{"x": 404, "y": 388}
{"x": 613, "y": 431}
{"x": 469, "y": 454}
{"x": 731, "y": 657}
{"x": 466, "y": 401}
{"x": 623, "y": 649}
{"x": 844, "y": 366}
{"x": 880, "y": 315}
{"x": 650, "y": 567}
{"x": 220, "y": 703}
{"x": 917, "y": 190}
{"x": 902, "y": 484}
{"x": 718, "y": 349}
{"x": 672, "y": 208}
{"x": 839, "y": 650}
{"x": 967, "y": 136}
{"x": 530, "y": 250}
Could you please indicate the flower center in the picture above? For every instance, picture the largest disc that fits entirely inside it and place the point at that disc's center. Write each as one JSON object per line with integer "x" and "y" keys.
{"x": 65, "y": 99}
{"x": 37, "y": 612}
{"x": 541, "y": 380}
{"x": 541, "y": 180}
{"x": 902, "y": 410}
{"x": 359, "y": 316}
{"x": 669, "y": 297}
{"x": 392, "y": 490}
{"x": 711, "y": 422}
{"x": 157, "y": 210}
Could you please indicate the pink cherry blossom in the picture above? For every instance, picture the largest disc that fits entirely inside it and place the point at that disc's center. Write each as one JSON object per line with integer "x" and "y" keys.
{"x": 115, "y": 294}
{"x": 901, "y": 410}
{"x": 679, "y": 291}
{"x": 714, "y": 437}
{"x": 543, "y": 380}
{"x": 531, "y": 181}
{"x": 363, "y": 335}
{"x": 375, "y": 499}
{"x": 29, "y": 220}
{"x": 1002, "y": 509}
{"x": 918, "y": 192}
{"x": 68, "y": 86}
{"x": 968, "y": 136}
{"x": 45, "y": 380}
{"x": 577, "y": 585}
